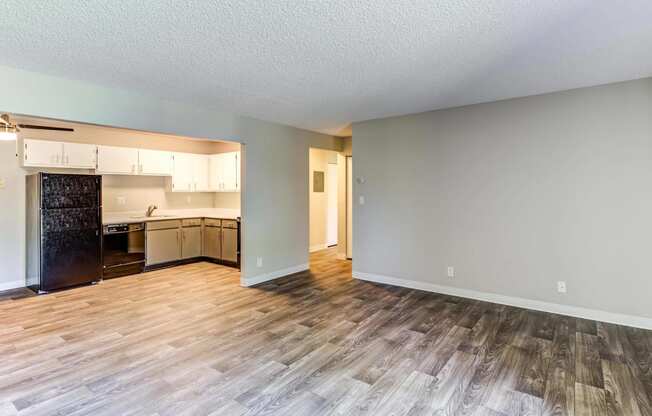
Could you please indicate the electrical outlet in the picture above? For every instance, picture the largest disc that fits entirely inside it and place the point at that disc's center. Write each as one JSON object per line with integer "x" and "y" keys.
{"x": 121, "y": 200}
{"x": 188, "y": 199}
{"x": 3, "y": 183}
{"x": 561, "y": 287}
{"x": 361, "y": 200}
{"x": 259, "y": 262}
{"x": 451, "y": 271}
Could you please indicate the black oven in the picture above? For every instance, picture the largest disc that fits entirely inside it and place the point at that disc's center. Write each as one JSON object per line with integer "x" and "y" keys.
{"x": 124, "y": 249}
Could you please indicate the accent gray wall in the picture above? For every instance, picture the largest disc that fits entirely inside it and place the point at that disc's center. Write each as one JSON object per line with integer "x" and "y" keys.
{"x": 516, "y": 195}
{"x": 275, "y": 213}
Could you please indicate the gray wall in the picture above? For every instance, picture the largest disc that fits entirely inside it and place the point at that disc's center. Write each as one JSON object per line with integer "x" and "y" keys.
{"x": 275, "y": 212}
{"x": 516, "y": 195}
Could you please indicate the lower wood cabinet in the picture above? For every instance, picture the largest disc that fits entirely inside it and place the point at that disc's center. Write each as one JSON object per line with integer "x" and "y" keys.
{"x": 230, "y": 244}
{"x": 190, "y": 242}
{"x": 168, "y": 241}
{"x": 163, "y": 246}
{"x": 213, "y": 240}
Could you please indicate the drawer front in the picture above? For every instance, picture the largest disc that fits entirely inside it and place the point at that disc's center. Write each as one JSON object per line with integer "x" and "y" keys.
{"x": 211, "y": 222}
{"x": 229, "y": 224}
{"x": 163, "y": 225}
{"x": 191, "y": 222}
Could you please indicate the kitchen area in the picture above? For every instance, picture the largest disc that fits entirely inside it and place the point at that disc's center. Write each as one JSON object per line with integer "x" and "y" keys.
{"x": 104, "y": 203}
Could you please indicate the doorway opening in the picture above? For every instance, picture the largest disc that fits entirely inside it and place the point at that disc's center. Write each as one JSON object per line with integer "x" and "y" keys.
{"x": 323, "y": 199}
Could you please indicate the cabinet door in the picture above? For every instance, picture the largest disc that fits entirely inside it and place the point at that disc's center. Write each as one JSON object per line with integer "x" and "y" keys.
{"x": 154, "y": 162}
{"x": 117, "y": 160}
{"x": 42, "y": 153}
{"x": 190, "y": 242}
{"x": 229, "y": 175}
{"x": 182, "y": 176}
{"x": 230, "y": 244}
{"x": 212, "y": 242}
{"x": 214, "y": 172}
{"x": 163, "y": 246}
{"x": 200, "y": 173}
{"x": 80, "y": 155}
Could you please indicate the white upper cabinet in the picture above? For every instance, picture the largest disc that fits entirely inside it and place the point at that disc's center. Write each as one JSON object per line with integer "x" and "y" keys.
{"x": 117, "y": 160}
{"x": 200, "y": 173}
{"x": 225, "y": 172}
{"x": 46, "y": 153}
{"x": 188, "y": 172}
{"x": 182, "y": 174}
{"x": 42, "y": 153}
{"x": 154, "y": 162}
{"x": 80, "y": 155}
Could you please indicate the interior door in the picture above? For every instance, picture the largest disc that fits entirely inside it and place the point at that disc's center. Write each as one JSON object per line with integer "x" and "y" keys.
{"x": 42, "y": 153}
{"x": 349, "y": 207}
{"x": 80, "y": 155}
{"x": 331, "y": 205}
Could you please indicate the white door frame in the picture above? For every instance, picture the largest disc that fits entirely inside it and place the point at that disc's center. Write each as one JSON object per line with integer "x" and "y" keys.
{"x": 349, "y": 207}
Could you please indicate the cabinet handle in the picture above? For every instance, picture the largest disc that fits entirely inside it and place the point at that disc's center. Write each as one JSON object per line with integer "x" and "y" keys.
{"x": 177, "y": 236}
{"x": 183, "y": 234}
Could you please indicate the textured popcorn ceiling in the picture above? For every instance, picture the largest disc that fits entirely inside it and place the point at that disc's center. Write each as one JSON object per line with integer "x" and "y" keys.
{"x": 321, "y": 65}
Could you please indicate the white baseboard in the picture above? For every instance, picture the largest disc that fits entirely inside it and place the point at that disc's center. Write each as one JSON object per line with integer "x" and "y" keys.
{"x": 256, "y": 280}
{"x": 12, "y": 285}
{"x": 317, "y": 247}
{"x": 574, "y": 311}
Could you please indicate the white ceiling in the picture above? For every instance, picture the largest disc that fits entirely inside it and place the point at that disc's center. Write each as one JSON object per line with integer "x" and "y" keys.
{"x": 321, "y": 65}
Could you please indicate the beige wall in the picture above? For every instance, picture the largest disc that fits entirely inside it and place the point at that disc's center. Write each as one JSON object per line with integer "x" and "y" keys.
{"x": 275, "y": 208}
{"x": 516, "y": 195}
{"x": 319, "y": 161}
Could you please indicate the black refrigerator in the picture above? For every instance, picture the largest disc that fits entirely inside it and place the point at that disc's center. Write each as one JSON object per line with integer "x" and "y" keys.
{"x": 64, "y": 230}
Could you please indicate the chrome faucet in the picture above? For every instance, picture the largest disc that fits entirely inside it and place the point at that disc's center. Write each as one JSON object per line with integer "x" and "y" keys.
{"x": 150, "y": 210}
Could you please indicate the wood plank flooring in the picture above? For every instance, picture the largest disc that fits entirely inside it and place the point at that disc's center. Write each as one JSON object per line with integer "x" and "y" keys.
{"x": 191, "y": 341}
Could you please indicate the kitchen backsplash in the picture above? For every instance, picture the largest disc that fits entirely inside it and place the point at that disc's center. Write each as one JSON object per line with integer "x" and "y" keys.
{"x": 133, "y": 193}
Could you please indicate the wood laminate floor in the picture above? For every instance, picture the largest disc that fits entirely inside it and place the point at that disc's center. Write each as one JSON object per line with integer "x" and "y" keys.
{"x": 191, "y": 341}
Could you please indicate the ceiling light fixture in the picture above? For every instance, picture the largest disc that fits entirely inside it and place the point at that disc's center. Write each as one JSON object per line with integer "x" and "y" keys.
{"x": 9, "y": 132}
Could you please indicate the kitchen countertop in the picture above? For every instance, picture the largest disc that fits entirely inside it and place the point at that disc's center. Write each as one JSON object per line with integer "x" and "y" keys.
{"x": 128, "y": 217}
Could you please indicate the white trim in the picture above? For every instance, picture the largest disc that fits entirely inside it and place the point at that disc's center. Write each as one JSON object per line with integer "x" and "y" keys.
{"x": 575, "y": 311}
{"x": 12, "y": 285}
{"x": 317, "y": 247}
{"x": 250, "y": 281}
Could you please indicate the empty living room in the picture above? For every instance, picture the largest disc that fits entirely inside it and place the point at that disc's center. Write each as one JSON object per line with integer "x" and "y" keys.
{"x": 327, "y": 207}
